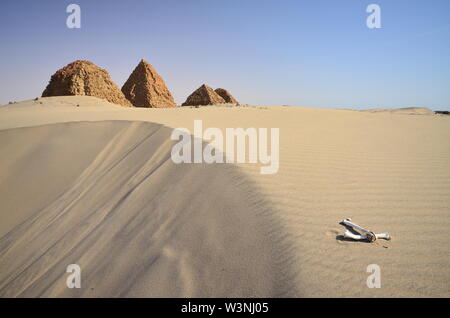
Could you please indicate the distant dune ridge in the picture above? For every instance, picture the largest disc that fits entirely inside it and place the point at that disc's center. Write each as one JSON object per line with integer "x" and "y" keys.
{"x": 85, "y": 78}
{"x": 404, "y": 110}
{"x": 146, "y": 88}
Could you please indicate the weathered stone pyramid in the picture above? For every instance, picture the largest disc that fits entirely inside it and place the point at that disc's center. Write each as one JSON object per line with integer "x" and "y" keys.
{"x": 226, "y": 95}
{"x": 204, "y": 95}
{"x": 85, "y": 78}
{"x": 145, "y": 88}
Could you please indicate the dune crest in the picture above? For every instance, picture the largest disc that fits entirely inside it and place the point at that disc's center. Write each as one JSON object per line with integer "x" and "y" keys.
{"x": 136, "y": 223}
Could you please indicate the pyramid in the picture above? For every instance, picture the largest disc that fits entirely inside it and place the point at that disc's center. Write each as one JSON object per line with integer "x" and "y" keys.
{"x": 85, "y": 78}
{"x": 204, "y": 95}
{"x": 226, "y": 95}
{"x": 145, "y": 88}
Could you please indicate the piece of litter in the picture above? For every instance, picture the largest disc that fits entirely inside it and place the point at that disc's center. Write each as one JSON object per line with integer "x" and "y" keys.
{"x": 367, "y": 235}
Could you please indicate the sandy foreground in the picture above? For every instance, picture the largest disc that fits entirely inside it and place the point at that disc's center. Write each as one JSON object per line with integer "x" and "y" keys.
{"x": 87, "y": 182}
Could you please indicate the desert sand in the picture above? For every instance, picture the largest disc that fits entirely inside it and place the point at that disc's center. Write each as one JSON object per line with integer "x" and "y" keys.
{"x": 88, "y": 182}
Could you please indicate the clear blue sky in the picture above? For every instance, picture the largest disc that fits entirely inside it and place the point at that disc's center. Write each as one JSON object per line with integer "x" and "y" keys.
{"x": 311, "y": 53}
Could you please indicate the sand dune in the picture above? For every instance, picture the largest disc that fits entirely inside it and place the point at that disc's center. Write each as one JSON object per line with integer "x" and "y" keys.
{"x": 141, "y": 226}
{"x": 137, "y": 224}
